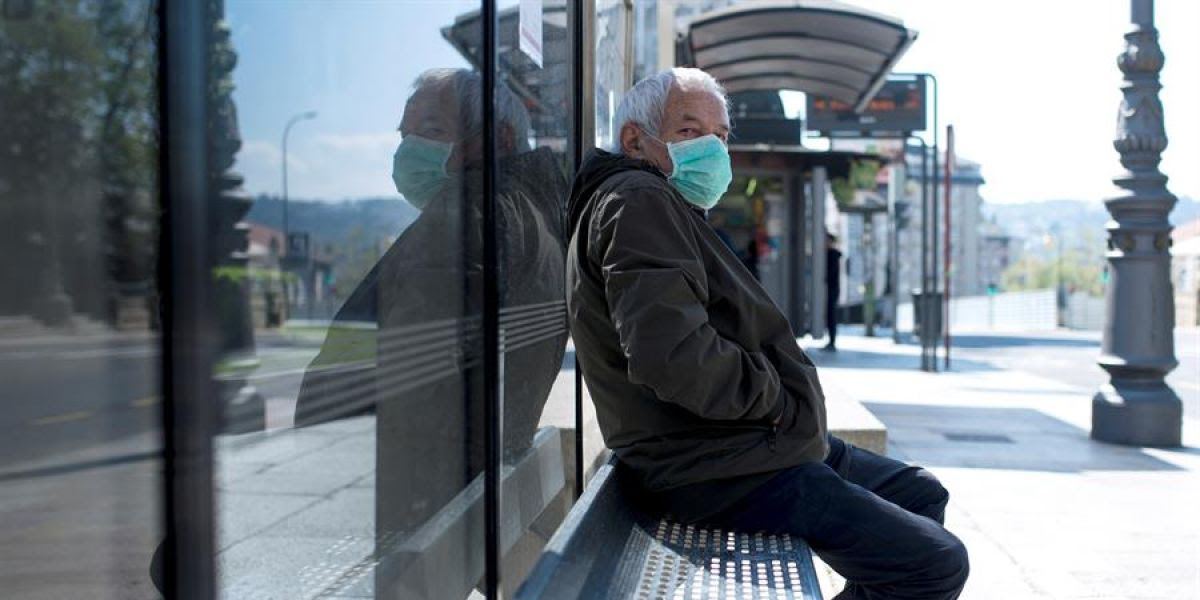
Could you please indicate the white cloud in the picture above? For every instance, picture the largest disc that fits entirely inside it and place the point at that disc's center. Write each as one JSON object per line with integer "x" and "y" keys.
{"x": 324, "y": 166}
{"x": 360, "y": 142}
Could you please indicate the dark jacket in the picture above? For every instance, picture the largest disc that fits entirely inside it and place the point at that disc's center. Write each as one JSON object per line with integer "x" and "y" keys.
{"x": 414, "y": 357}
{"x": 687, "y": 359}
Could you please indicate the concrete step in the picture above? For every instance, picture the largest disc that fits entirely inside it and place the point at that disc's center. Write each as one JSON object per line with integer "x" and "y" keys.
{"x": 849, "y": 420}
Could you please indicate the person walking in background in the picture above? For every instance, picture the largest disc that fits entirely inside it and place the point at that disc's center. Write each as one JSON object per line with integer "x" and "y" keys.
{"x": 833, "y": 288}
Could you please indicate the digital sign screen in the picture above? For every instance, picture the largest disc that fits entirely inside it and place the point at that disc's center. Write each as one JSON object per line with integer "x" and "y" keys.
{"x": 898, "y": 108}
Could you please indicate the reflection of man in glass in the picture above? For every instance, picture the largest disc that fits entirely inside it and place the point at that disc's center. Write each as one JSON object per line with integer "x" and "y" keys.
{"x": 406, "y": 342}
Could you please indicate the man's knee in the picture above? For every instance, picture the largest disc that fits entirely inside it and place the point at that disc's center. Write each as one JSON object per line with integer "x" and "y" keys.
{"x": 953, "y": 564}
{"x": 932, "y": 496}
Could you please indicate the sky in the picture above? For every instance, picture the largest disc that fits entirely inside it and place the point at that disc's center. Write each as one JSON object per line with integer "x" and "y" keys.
{"x": 353, "y": 62}
{"x": 1031, "y": 87}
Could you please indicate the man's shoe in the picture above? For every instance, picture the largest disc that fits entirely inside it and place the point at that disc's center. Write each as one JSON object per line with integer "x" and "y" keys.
{"x": 829, "y": 348}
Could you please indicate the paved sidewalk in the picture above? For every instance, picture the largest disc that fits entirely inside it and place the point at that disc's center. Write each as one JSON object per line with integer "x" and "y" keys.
{"x": 1045, "y": 511}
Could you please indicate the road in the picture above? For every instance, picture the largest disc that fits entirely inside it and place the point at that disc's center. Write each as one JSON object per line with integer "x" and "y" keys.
{"x": 80, "y": 466}
{"x": 1070, "y": 357}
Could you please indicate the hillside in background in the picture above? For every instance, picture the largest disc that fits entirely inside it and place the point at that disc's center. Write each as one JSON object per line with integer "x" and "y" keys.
{"x": 1081, "y": 223}
{"x": 370, "y": 220}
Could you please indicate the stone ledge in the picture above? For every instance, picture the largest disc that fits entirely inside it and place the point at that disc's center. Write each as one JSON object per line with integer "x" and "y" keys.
{"x": 849, "y": 420}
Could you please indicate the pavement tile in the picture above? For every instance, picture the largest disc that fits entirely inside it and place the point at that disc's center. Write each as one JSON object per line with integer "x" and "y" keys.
{"x": 1048, "y": 513}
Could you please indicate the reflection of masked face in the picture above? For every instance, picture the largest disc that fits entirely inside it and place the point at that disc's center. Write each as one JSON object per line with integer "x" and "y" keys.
{"x": 419, "y": 169}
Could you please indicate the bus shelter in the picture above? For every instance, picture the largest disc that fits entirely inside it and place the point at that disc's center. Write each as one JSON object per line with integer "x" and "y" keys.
{"x": 774, "y": 213}
{"x": 773, "y": 217}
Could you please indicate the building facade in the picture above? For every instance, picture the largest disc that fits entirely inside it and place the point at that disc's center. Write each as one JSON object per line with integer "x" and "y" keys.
{"x": 973, "y": 258}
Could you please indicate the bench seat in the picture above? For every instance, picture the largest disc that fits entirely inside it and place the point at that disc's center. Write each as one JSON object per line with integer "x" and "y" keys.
{"x": 606, "y": 549}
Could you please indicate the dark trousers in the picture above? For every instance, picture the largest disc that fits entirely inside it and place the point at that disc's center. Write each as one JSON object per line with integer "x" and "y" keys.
{"x": 876, "y": 521}
{"x": 831, "y": 316}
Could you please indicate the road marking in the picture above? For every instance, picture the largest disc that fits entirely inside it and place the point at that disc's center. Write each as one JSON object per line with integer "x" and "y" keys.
{"x": 63, "y": 418}
{"x": 146, "y": 402}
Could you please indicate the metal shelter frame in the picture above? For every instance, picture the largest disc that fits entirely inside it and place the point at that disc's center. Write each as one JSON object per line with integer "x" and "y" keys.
{"x": 821, "y": 47}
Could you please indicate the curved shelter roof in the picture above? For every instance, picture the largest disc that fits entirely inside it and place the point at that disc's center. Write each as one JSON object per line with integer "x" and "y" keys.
{"x": 820, "y": 47}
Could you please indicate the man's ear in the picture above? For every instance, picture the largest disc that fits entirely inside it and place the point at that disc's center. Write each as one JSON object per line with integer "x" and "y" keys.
{"x": 631, "y": 141}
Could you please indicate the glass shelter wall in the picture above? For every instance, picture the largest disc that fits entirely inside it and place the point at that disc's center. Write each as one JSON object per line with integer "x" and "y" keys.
{"x": 363, "y": 158}
{"x": 288, "y": 322}
{"x": 81, "y": 468}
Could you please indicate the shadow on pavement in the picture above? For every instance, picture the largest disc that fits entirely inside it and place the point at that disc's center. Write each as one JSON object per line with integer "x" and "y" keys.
{"x": 1019, "y": 439}
{"x": 857, "y": 359}
{"x": 995, "y": 341}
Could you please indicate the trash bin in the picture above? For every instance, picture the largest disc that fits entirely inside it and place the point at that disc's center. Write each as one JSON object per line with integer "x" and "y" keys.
{"x": 921, "y": 302}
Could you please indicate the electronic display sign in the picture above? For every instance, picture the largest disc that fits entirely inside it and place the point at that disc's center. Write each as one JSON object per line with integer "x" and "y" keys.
{"x": 898, "y": 109}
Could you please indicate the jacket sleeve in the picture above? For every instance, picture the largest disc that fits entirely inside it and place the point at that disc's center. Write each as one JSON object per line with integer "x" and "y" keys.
{"x": 657, "y": 291}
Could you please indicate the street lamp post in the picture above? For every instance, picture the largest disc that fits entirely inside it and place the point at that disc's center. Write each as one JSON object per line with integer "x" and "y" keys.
{"x": 1137, "y": 407}
{"x": 304, "y": 116}
{"x": 287, "y": 242}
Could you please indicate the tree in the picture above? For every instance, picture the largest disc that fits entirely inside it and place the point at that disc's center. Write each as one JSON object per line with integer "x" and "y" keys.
{"x": 77, "y": 152}
{"x": 1080, "y": 273}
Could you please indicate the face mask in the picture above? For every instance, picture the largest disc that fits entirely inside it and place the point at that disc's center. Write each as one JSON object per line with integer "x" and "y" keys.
{"x": 702, "y": 170}
{"x": 419, "y": 169}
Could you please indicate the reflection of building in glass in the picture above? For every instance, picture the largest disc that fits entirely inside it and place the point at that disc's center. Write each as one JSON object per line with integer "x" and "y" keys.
{"x": 543, "y": 90}
{"x": 264, "y": 253}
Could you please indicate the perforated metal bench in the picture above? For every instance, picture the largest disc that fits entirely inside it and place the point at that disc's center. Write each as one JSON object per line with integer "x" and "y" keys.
{"x": 606, "y": 549}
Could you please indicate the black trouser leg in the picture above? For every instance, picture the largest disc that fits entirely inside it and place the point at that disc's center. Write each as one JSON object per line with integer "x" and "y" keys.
{"x": 873, "y": 519}
{"x": 831, "y": 319}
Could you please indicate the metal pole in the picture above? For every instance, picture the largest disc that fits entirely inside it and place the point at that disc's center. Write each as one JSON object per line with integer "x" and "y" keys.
{"x": 1060, "y": 292}
{"x": 583, "y": 111}
{"x": 896, "y": 177}
{"x": 493, "y": 366}
{"x": 921, "y": 310}
{"x": 948, "y": 254}
{"x": 312, "y": 114}
{"x": 287, "y": 243}
{"x": 1137, "y": 407}
{"x": 868, "y": 245}
{"x": 933, "y": 276}
{"x": 929, "y": 249}
{"x": 189, "y": 343}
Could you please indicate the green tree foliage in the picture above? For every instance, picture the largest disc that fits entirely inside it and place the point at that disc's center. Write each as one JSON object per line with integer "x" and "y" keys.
{"x": 1081, "y": 272}
{"x": 78, "y": 151}
{"x": 861, "y": 176}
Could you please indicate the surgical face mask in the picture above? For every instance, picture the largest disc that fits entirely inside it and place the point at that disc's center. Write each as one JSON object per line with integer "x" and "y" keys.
{"x": 419, "y": 169}
{"x": 702, "y": 171}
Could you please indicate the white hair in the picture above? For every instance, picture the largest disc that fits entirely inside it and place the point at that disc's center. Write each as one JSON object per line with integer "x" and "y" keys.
{"x": 645, "y": 103}
{"x": 467, "y": 86}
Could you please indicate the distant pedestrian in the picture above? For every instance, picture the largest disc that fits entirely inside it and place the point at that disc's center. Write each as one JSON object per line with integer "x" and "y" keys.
{"x": 833, "y": 288}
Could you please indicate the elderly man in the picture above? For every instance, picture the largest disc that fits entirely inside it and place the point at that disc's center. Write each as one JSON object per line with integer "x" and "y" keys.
{"x": 700, "y": 387}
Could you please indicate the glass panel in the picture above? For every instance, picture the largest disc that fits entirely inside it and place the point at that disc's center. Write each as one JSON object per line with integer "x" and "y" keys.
{"x": 80, "y": 431}
{"x": 533, "y": 124}
{"x": 612, "y": 65}
{"x": 350, "y": 461}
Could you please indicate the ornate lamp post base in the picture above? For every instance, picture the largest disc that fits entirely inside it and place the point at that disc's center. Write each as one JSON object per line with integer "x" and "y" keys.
{"x": 1137, "y": 413}
{"x": 1137, "y": 407}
